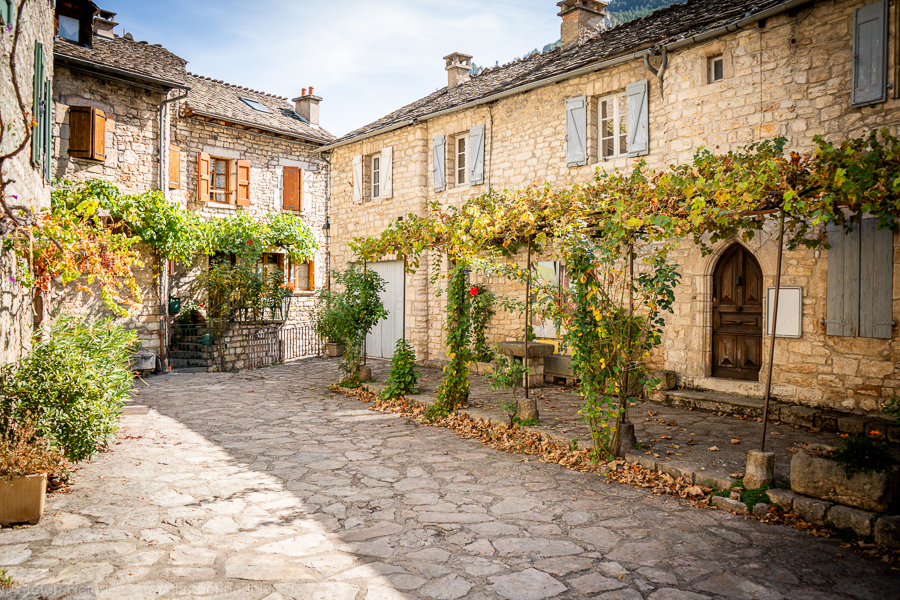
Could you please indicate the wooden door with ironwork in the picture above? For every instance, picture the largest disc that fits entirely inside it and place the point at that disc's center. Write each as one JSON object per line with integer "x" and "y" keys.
{"x": 737, "y": 315}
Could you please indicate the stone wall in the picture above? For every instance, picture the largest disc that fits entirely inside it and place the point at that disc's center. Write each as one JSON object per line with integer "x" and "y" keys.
{"x": 23, "y": 184}
{"x": 789, "y": 77}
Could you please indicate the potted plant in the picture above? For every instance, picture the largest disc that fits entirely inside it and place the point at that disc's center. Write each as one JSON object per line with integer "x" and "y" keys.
{"x": 326, "y": 319}
{"x": 25, "y": 462}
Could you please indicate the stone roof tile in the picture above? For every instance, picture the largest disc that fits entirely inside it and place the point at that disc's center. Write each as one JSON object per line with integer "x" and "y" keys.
{"x": 665, "y": 26}
{"x": 140, "y": 58}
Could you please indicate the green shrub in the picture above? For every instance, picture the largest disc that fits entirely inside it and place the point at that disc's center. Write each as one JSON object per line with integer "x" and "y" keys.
{"x": 509, "y": 374}
{"x": 862, "y": 454}
{"x": 403, "y": 377}
{"x": 71, "y": 385}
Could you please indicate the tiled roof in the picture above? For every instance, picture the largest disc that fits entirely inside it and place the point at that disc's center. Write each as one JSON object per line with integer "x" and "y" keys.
{"x": 139, "y": 58}
{"x": 665, "y": 26}
{"x": 212, "y": 98}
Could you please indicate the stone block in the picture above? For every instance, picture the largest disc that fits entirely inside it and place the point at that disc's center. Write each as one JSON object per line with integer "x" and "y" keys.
{"x": 782, "y": 497}
{"x": 734, "y": 506}
{"x": 760, "y": 509}
{"x": 887, "y": 531}
{"x": 760, "y": 469}
{"x": 799, "y": 415}
{"x": 143, "y": 361}
{"x": 666, "y": 381}
{"x": 844, "y": 517}
{"x": 823, "y": 478}
{"x": 851, "y": 424}
{"x": 811, "y": 509}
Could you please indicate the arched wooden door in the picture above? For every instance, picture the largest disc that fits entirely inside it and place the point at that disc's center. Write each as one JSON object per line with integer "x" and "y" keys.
{"x": 737, "y": 315}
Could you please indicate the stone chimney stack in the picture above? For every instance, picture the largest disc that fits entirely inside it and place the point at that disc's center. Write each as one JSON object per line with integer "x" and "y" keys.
{"x": 103, "y": 24}
{"x": 581, "y": 20}
{"x": 307, "y": 106}
{"x": 458, "y": 67}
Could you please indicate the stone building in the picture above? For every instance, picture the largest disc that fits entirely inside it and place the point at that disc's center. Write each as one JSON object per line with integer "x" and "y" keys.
{"x": 129, "y": 113}
{"x": 24, "y": 161}
{"x": 703, "y": 73}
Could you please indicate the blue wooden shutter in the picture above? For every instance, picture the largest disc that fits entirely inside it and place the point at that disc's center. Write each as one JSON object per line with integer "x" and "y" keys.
{"x": 638, "y": 134}
{"x": 876, "y": 275}
{"x": 37, "y": 135}
{"x": 440, "y": 163}
{"x": 870, "y": 52}
{"x": 476, "y": 157}
{"x": 48, "y": 126}
{"x": 842, "y": 293}
{"x": 576, "y": 131}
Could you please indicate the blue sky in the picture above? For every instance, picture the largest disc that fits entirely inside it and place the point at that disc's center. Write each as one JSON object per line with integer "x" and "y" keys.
{"x": 364, "y": 58}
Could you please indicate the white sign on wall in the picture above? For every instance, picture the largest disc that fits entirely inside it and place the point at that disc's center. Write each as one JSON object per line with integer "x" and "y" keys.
{"x": 790, "y": 311}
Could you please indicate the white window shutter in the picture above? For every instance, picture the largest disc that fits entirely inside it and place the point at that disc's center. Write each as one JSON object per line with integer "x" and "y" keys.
{"x": 870, "y": 53}
{"x": 387, "y": 172}
{"x": 576, "y": 131}
{"x": 357, "y": 179}
{"x": 440, "y": 166}
{"x": 638, "y": 134}
{"x": 476, "y": 156}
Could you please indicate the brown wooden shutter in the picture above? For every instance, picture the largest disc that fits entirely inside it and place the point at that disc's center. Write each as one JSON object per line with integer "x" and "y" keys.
{"x": 292, "y": 186}
{"x": 99, "y": 134}
{"x": 80, "y": 138}
{"x": 174, "y": 167}
{"x": 243, "y": 183}
{"x": 312, "y": 275}
{"x": 300, "y": 200}
{"x": 203, "y": 177}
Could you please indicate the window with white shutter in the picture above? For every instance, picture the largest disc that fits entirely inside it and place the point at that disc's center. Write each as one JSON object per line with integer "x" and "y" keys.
{"x": 439, "y": 164}
{"x": 358, "y": 179}
{"x": 476, "y": 155}
{"x": 638, "y": 118}
{"x": 870, "y": 53}
{"x": 576, "y": 131}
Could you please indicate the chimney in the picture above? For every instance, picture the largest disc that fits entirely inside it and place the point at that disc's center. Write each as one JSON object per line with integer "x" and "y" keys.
{"x": 581, "y": 20}
{"x": 458, "y": 67}
{"x": 103, "y": 24}
{"x": 307, "y": 106}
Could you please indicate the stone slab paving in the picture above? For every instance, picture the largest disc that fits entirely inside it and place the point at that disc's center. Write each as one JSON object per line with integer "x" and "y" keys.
{"x": 263, "y": 485}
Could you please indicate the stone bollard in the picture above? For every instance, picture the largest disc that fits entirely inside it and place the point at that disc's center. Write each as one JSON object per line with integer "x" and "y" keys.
{"x": 364, "y": 373}
{"x": 527, "y": 409}
{"x": 760, "y": 469}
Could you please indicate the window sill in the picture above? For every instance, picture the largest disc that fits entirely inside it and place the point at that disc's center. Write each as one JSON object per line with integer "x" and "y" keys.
{"x": 222, "y": 205}
{"x": 303, "y": 293}
{"x": 616, "y": 162}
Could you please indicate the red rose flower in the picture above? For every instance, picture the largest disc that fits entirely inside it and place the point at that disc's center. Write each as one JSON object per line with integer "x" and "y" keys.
{"x": 473, "y": 291}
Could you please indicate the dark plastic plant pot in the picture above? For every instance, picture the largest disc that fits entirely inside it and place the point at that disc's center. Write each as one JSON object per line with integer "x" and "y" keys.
{"x": 206, "y": 339}
{"x": 174, "y": 305}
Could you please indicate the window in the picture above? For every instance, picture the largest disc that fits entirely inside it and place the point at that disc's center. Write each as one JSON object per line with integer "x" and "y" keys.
{"x": 219, "y": 187}
{"x": 271, "y": 264}
{"x": 613, "y": 126}
{"x": 87, "y": 133}
{"x": 69, "y": 28}
{"x": 870, "y": 54}
{"x": 302, "y": 276}
{"x": 255, "y": 105}
{"x": 716, "y": 65}
{"x": 375, "y": 176}
{"x": 461, "y": 164}
{"x": 292, "y": 188}
{"x": 174, "y": 167}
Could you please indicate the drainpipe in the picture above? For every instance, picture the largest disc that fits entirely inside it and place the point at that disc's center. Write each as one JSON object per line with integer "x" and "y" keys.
{"x": 163, "y": 263}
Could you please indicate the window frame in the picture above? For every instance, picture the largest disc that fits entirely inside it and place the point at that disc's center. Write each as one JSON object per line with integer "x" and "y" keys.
{"x": 711, "y": 68}
{"x": 622, "y": 136}
{"x": 464, "y": 168}
{"x": 215, "y": 193}
{"x": 375, "y": 183}
{"x": 77, "y": 22}
{"x": 291, "y": 275}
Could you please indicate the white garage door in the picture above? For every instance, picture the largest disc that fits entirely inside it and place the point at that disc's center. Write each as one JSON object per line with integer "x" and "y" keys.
{"x": 380, "y": 341}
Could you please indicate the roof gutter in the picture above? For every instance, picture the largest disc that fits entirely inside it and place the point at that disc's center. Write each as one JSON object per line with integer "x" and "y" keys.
{"x": 112, "y": 72}
{"x": 255, "y": 126}
{"x": 636, "y": 55}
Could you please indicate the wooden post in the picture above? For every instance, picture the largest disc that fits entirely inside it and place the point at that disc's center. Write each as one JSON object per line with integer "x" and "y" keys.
{"x": 765, "y": 417}
{"x": 527, "y": 313}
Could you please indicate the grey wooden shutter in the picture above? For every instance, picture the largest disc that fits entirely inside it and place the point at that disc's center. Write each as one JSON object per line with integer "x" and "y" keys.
{"x": 638, "y": 134}
{"x": 357, "y": 178}
{"x": 876, "y": 275}
{"x": 842, "y": 293}
{"x": 37, "y": 132}
{"x": 576, "y": 131}
{"x": 870, "y": 51}
{"x": 476, "y": 157}
{"x": 7, "y": 11}
{"x": 387, "y": 172}
{"x": 440, "y": 165}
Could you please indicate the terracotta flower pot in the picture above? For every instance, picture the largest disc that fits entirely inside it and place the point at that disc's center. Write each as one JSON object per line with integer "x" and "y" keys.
{"x": 22, "y": 499}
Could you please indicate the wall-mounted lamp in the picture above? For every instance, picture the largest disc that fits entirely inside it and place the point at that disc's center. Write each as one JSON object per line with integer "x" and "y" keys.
{"x": 327, "y": 227}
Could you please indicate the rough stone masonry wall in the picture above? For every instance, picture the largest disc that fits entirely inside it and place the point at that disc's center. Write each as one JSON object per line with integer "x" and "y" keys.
{"x": 790, "y": 77}
{"x": 267, "y": 155}
{"x": 25, "y": 183}
{"x": 132, "y": 165}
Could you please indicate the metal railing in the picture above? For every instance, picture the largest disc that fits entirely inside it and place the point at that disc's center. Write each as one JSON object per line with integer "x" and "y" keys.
{"x": 299, "y": 340}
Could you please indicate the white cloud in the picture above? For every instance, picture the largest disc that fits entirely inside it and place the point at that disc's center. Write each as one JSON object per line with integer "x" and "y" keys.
{"x": 365, "y": 58}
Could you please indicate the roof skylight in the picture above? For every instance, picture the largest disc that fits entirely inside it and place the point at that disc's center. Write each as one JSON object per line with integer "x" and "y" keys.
{"x": 257, "y": 106}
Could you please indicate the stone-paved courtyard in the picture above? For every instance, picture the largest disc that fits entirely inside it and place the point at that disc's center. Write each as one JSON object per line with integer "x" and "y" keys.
{"x": 263, "y": 485}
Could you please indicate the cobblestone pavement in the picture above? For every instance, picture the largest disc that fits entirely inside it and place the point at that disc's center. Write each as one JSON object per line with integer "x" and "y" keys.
{"x": 263, "y": 485}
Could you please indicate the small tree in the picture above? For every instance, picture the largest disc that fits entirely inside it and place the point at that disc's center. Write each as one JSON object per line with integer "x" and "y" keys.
{"x": 454, "y": 388}
{"x": 482, "y": 311}
{"x": 403, "y": 377}
{"x": 509, "y": 374}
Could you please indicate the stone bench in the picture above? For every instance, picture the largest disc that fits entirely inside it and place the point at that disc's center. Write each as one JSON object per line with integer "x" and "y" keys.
{"x": 537, "y": 352}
